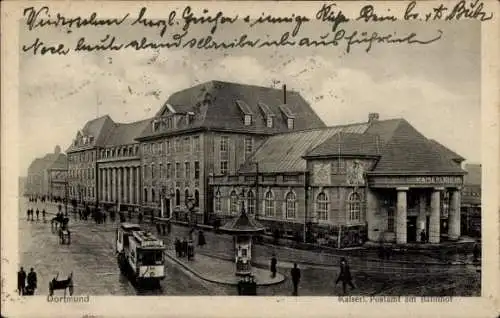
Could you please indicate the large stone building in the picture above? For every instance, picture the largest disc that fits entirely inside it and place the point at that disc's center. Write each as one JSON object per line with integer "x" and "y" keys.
{"x": 38, "y": 181}
{"x": 118, "y": 166}
{"x": 211, "y": 128}
{"x": 82, "y": 159}
{"x": 379, "y": 180}
{"x": 104, "y": 163}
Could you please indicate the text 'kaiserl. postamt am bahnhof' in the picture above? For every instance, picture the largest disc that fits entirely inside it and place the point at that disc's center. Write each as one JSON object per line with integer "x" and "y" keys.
{"x": 219, "y": 147}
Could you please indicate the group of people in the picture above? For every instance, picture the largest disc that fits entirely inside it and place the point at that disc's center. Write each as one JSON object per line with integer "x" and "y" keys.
{"x": 344, "y": 275}
{"x": 26, "y": 284}
{"x": 184, "y": 248}
{"x": 30, "y": 212}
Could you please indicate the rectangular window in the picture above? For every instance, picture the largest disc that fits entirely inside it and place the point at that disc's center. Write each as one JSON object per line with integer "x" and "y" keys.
{"x": 144, "y": 172}
{"x": 223, "y": 167}
{"x": 196, "y": 141}
{"x": 187, "y": 171}
{"x": 197, "y": 170}
{"x": 177, "y": 170}
{"x": 290, "y": 123}
{"x": 169, "y": 173}
{"x": 178, "y": 145}
{"x": 390, "y": 220}
{"x": 152, "y": 171}
{"x": 160, "y": 171}
{"x": 187, "y": 145}
{"x": 224, "y": 143}
{"x": 248, "y": 146}
{"x": 269, "y": 121}
{"x": 248, "y": 120}
{"x": 167, "y": 147}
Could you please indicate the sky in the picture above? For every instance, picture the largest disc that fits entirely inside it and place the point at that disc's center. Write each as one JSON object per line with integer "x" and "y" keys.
{"x": 434, "y": 87}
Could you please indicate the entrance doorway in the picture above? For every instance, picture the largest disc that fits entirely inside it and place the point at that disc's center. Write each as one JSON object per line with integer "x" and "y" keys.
{"x": 411, "y": 229}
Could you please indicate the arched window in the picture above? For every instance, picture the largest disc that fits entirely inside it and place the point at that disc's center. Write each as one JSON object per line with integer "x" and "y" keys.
{"x": 196, "y": 198}
{"x": 177, "y": 197}
{"x": 269, "y": 204}
{"x": 152, "y": 195}
{"x": 322, "y": 206}
{"x": 145, "y": 195}
{"x": 233, "y": 203}
{"x": 354, "y": 207}
{"x": 290, "y": 205}
{"x": 251, "y": 203}
{"x": 218, "y": 203}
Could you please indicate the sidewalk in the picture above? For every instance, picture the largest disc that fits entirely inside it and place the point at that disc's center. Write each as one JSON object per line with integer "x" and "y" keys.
{"x": 221, "y": 271}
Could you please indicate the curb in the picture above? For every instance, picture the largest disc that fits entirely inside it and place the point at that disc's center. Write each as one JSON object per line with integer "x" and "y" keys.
{"x": 196, "y": 273}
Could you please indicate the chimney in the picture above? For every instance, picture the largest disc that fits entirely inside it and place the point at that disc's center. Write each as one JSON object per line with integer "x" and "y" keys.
{"x": 284, "y": 94}
{"x": 372, "y": 117}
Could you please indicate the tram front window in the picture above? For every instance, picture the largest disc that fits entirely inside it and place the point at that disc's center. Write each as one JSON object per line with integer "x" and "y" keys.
{"x": 148, "y": 258}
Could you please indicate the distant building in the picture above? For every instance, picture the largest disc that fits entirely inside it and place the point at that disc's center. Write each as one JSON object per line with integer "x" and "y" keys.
{"x": 471, "y": 201}
{"x": 118, "y": 166}
{"x": 379, "y": 180}
{"x": 211, "y": 128}
{"x": 38, "y": 179}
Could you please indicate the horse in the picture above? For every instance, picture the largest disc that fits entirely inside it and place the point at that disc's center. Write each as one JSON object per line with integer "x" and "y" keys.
{"x": 61, "y": 284}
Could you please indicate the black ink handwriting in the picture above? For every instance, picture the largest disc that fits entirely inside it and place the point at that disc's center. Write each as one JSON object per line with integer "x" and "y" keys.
{"x": 368, "y": 14}
{"x": 297, "y": 19}
{"x": 326, "y": 13}
{"x": 39, "y": 47}
{"x": 42, "y": 17}
{"x": 161, "y": 24}
{"x": 474, "y": 12}
{"x": 190, "y": 18}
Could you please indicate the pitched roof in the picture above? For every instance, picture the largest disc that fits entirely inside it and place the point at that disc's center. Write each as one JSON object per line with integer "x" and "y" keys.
{"x": 348, "y": 144}
{"x": 222, "y": 105}
{"x": 473, "y": 176}
{"x": 407, "y": 150}
{"x": 99, "y": 128}
{"x": 284, "y": 152}
{"x": 242, "y": 223}
{"x": 125, "y": 133}
{"x": 446, "y": 152}
{"x": 49, "y": 161}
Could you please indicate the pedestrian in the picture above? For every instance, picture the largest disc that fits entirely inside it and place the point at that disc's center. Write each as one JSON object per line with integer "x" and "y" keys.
{"x": 32, "y": 281}
{"x": 295, "y": 274}
{"x": 201, "y": 238}
{"x": 43, "y": 215}
{"x": 344, "y": 275}
{"x": 32, "y": 211}
{"x": 104, "y": 216}
{"x": 28, "y": 214}
{"x": 423, "y": 236}
{"x": 184, "y": 246}
{"x": 37, "y": 213}
{"x": 177, "y": 244}
{"x": 190, "y": 250}
{"x": 21, "y": 281}
{"x": 274, "y": 264}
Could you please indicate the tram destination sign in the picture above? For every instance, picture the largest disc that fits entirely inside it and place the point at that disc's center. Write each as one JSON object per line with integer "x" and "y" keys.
{"x": 417, "y": 180}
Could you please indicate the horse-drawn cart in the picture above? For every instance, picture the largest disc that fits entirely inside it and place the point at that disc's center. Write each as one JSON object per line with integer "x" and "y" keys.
{"x": 61, "y": 284}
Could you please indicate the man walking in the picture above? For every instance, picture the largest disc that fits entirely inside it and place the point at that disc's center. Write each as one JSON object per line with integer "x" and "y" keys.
{"x": 43, "y": 215}
{"x": 344, "y": 275}
{"x": 32, "y": 281}
{"x": 21, "y": 281}
{"x": 295, "y": 274}
{"x": 274, "y": 264}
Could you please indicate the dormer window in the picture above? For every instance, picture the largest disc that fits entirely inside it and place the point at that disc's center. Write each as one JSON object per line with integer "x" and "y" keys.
{"x": 248, "y": 120}
{"x": 156, "y": 125}
{"x": 288, "y": 115}
{"x": 290, "y": 123}
{"x": 269, "y": 122}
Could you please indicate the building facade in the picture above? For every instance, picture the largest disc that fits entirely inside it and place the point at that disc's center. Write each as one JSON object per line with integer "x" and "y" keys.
{"x": 340, "y": 186}
{"x": 82, "y": 159}
{"x": 38, "y": 181}
{"x": 210, "y": 129}
{"x": 118, "y": 167}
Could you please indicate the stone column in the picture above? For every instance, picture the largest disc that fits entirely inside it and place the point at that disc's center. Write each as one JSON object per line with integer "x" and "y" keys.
{"x": 131, "y": 185}
{"x": 113, "y": 193}
{"x": 401, "y": 216}
{"x": 138, "y": 185}
{"x": 108, "y": 181}
{"x": 435, "y": 220}
{"x": 119, "y": 185}
{"x": 454, "y": 216}
{"x": 125, "y": 184}
{"x": 422, "y": 215}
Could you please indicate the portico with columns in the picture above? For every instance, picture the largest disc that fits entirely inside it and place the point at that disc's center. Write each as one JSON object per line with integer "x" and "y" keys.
{"x": 399, "y": 208}
{"x": 119, "y": 183}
